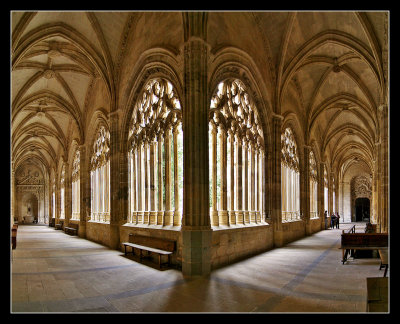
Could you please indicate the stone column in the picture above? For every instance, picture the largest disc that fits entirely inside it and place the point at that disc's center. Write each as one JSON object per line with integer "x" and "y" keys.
{"x": 67, "y": 195}
{"x": 306, "y": 189}
{"x": 146, "y": 209}
{"x": 246, "y": 207}
{"x": 223, "y": 207}
{"x": 276, "y": 211}
{"x": 214, "y": 212}
{"x": 252, "y": 184}
{"x": 196, "y": 229}
{"x": 153, "y": 211}
{"x": 320, "y": 195}
{"x": 384, "y": 179}
{"x": 232, "y": 217}
{"x": 115, "y": 181}
{"x": 168, "y": 201}
{"x": 160, "y": 211}
{"x": 239, "y": 182}
{"x": 140, "y": 189}
{"x": 177, "y": 210}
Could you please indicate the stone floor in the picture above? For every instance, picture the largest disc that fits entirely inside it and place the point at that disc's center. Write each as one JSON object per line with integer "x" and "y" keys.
{"x": 55, "y": 272}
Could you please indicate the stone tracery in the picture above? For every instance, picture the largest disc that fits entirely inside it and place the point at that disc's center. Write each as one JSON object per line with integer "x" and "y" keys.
{"x": 237, "y": 168}
{"x": 155, "y": 156}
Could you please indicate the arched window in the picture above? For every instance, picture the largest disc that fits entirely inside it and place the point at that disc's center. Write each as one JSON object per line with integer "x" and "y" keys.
{"x": 236, "y": 158}
{"x": 156, "y": 157}
{"x": 100, "y": 177}
{"x": 62, "y": 193}
{"x": 76, "y": 186}
{"x": 326, "y": 205}
{"x": 290, "y": 176}
{"x": 313, "y": 187}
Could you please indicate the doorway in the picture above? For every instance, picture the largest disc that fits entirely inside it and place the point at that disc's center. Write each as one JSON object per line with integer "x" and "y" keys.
{"x": 362, "y": 209}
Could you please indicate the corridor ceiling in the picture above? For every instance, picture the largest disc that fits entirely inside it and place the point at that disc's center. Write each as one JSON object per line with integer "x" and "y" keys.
{"x": 327, "y": 69}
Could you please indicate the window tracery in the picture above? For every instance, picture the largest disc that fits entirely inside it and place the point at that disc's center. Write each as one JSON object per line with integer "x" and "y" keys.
{"x": 290, "y": 177}
{"x": 236, "y": 157}
{"x": 313, "y": 186}
{"x": 156, "y": 156}
{"x": 100, "y": 177}
{"x": 76, "y": 186}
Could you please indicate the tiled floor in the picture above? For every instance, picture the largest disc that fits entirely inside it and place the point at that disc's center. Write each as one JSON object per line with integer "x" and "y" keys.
{"x": 56, "y": 272}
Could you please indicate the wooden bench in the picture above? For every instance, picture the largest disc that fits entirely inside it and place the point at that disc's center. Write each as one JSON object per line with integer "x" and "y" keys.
{"x": 377, "y": 294}
{"x": 383, "y": 254}
{"x": 362, "y": 241}
{"x": 14, "y": 236}
{"x": 59, "y": 226}
{"x": 72, "y": 228}
{"x": 52, "y": 222}
{"x": 150, "y": 244}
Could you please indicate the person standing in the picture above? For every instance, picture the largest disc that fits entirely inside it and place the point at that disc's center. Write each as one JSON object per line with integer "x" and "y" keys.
{"x": 337, "y": 220}
{"x": 333, "y": 220}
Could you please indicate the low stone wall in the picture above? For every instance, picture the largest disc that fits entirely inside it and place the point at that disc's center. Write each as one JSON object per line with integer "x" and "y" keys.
{"x": 292, "y": 231}
{"x": 315, "y": 225}
{"x": 98, "y": 232}
{"x": 236, "y": 243}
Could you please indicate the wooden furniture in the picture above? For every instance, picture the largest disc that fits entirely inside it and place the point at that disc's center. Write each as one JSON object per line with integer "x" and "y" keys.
{"x": 59, "y": 226}
{"x": 377, "y": 294}
{"x": 72, "y": 229}
{"x": 150, "y": 244}
{"x": 383, "y": 254}
{"x": 52, "y": 222}
{"x": 362, "y": 241}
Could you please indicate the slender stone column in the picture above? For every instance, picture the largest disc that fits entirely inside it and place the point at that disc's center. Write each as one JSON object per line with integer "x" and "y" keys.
{"x": 320, "y": 195}
{"x": 252, "y": 184}
{"x": 196, "y": 229}
{"x": 239, "y": 182}
{"x": 223, "y": 213}
{"x": 306, "y": 189}
{"x": 134, "y": 187}
{"x": 146, "y": 209}
{"x": 214, "y": 212}
{"x": 153, "y": 212}
{"x": 177, "y": 210}
{"x": 232, "y": 216}
{"x": 140, "y": 184}
{"x": 160, "y": 211}
{"x": 246, "y": 206}
{"x": 168, "y": 203}
{"x": 67, "y": 195}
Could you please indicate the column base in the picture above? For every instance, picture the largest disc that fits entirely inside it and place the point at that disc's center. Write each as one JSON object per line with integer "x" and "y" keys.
{"x": 196, "y": 252}
{"x": 168, "y": 217}
{"x": 223, "y": 217}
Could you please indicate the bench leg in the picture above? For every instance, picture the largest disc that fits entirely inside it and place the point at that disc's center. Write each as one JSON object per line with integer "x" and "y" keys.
{"x": 386, "y": 268}
{"x": 159, "y": 261}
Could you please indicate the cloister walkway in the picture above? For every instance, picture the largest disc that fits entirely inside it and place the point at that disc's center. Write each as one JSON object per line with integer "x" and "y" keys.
{"x": 54, "y": 272}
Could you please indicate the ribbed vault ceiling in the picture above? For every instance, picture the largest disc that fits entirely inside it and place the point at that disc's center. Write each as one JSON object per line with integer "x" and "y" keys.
{"x": 326, "y": 68}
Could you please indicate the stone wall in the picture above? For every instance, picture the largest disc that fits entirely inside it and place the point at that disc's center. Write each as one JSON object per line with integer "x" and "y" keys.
{"x": 293, "y": 231}
{"x": 98, "y": 232}
{"x": 233, "y": 244}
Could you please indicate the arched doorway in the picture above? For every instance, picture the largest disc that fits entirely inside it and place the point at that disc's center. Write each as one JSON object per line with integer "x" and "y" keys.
{"x": 362, "y": 208}
{"x": 30, "y": 208}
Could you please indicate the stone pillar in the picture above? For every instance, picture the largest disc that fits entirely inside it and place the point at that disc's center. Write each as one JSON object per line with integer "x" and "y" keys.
{"x": 214, "y": 212}
{"x": 177, "y": 210}
{"x": 306, "y": 189}
{"x": 252, "y": 184}
{"x": 276, "y": 178}
{"x": 168, "y": 199}
{"x": 146, "y": 162}
{"x": 160, "y": 211}
{"x": 232, "y": 217}
{"x": 246, "y": 207}
{"x": 196, "y": 228}
{"x": 223, "y": 207}
{"x": 67, "y": 195}
{"x": 320, "y": 195}
{"x": 84, "y": 199}
{"x": 115, "y": 190}
{"x": 239, "y": 182}
{"x": 153, "y": 211}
